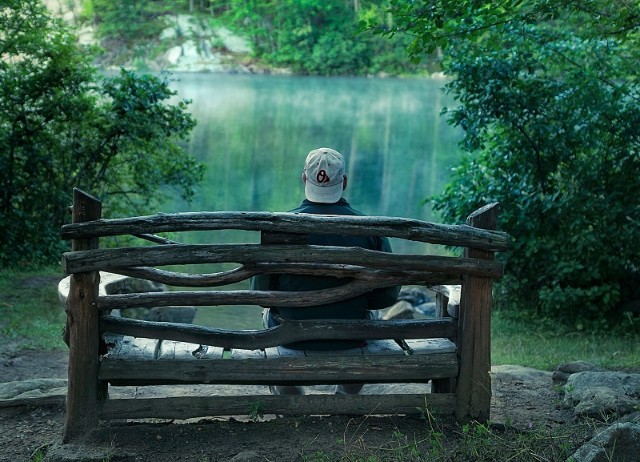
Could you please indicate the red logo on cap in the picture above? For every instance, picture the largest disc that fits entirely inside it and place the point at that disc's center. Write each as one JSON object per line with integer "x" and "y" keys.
{"x": 322, "y": 177}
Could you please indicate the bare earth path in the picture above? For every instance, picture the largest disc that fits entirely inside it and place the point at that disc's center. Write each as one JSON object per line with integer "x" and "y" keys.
{"x": 520, "y": 404}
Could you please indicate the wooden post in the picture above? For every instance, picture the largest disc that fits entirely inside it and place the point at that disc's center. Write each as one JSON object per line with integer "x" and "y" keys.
{"x": 442, "y": 303}
{"x": 473, "y": 387}
{"x": 82, "y": 325}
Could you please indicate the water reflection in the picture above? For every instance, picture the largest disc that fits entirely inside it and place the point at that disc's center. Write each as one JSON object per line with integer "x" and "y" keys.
{"x": 254, "y": 132}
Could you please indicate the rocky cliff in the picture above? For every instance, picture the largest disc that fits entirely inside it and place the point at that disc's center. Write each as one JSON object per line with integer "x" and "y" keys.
{"x": 187, "y": 44}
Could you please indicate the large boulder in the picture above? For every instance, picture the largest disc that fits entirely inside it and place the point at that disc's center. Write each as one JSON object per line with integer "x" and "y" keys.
{"x": 562, "y": 373}
{"x": 600, "y": 394}
{"x": 33, "y": 392}
{"x": 618, "y": 443}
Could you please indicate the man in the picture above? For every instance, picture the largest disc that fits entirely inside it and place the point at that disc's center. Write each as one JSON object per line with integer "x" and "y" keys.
{"x": 324, "y": 181}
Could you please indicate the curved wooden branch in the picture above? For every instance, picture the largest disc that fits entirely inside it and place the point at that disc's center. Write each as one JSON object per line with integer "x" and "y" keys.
{"x": 251, "y": 254}
{"x": 242, "y": 297}
{"x": 287, "y": 332}
{"x": 285, "y": 222}
{"x": 242, "y": 273}
{"x": 174, "y": 278}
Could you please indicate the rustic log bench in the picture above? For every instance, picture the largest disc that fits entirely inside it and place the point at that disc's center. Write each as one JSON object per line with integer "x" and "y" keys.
{"x": 450, "y": 352}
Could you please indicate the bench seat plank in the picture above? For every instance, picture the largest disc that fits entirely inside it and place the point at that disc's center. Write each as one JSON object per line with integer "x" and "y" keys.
{"x": 204, "y": 406}
{"x": 238, "y": 354}
{"x": 132, "y": 363}
{"x": 170, "y": 349}
{"x": 140, "y": 349}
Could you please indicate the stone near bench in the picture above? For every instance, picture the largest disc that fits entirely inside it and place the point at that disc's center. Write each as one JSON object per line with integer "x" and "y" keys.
{"x": 111, "y": 284}
{"x": 619, "y": 443}
{"x": 600, "y": 394}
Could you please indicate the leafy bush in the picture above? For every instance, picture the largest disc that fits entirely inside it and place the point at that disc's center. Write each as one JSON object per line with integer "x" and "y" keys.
{"x": 130, "y": 21}
{"x": 62, "y": 126}
{"x": 319, "y": 37}
{"x": 548, "y": 98}
{"x": 336, "y": 54}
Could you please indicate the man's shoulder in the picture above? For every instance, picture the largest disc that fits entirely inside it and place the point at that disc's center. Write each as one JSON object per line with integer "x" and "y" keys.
{"x": 342, "y": 207}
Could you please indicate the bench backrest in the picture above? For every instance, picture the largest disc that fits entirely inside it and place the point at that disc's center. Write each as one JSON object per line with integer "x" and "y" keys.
{"x": 282, "y": 249}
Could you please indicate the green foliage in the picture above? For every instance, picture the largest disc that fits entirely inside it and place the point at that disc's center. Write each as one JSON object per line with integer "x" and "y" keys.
{"x": 319, "y": 37}
{"x": 32, "y": 315}
{"x": 309, "y": 37}
{"x": 256, "y": 410}
{"x": 130, "y": 20}
{"x": 548, "y": 98}
{"x": 525, "y": 339}
{"x": 62, "y": 126}
{"x": 129, "y": 29}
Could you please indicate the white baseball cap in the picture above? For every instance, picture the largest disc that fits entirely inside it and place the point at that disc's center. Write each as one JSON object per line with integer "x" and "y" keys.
{"x": 324, "y": 170}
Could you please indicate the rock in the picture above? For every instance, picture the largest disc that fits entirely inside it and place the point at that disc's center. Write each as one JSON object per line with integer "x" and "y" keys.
{"x": 35, "y": 391}
{"x": 426, "y": 309}
{"x": 180, "y": 314}
{"x": 600, "y": 394}
{"x": 563, "y": 371}
{"x": 618, "y": 443}
{"x": 232, "y": 42}
{"x": 111, "y": 284}
{"x": 128, "y": 285}
{"x": 415, "y": 295}
{"x": 401, "y": 310}
{"x": 172, "y": 56}
{"x": 521, "y": 373}
{"x": 194, "y": 44}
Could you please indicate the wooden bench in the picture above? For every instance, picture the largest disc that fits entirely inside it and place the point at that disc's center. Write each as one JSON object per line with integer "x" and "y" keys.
{"x": 450, "y": 352}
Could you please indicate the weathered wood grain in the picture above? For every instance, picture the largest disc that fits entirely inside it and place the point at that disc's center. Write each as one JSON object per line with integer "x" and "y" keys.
{"x": 203, "y": 406}
{"x": 247, "y": 254}
{"x": 285, "y": 333}
{"x": 284, "y": 222}
{"x": 254, "y": 370}
{"x": 473, "y": 385}
{"x": 453, "y": 351}
{"x": 244, "y": 272}
{"x": 82, "y": 331}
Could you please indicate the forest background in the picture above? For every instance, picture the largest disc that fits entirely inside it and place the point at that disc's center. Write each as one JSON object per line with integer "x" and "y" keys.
{"x": 547, "y": 94}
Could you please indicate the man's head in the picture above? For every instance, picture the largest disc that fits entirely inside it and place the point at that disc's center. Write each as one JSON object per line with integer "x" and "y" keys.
{"x": 324, "y": 177}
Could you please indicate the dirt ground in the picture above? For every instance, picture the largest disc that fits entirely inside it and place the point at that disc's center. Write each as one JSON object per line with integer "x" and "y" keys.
{"x": 25, "y": 433}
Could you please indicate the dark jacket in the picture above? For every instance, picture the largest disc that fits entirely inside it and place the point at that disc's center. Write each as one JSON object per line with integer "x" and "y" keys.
{"x": 354, "y": 308}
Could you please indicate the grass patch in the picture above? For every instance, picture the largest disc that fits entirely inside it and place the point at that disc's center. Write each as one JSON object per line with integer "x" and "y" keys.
{"x": 519, "y": 341}
{"x": 32, "y": 315}
{"x": 452, "y": 442}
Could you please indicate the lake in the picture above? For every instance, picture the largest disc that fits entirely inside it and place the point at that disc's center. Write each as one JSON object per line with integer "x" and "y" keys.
{"x": 254, "y": 132}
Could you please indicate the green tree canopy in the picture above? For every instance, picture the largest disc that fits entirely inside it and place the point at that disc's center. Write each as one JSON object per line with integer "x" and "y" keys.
{"x": 321, "y": 37}
{"x": 548, "y": 97}
{"x": 63, "y": 125}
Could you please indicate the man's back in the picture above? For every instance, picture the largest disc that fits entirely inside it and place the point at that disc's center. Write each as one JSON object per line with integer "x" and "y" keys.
{"x": 355, "y": 308}
{"x": 325, "y": 179}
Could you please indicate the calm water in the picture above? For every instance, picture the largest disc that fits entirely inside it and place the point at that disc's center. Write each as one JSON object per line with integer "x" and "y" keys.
{"x": 254, "y": 133}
